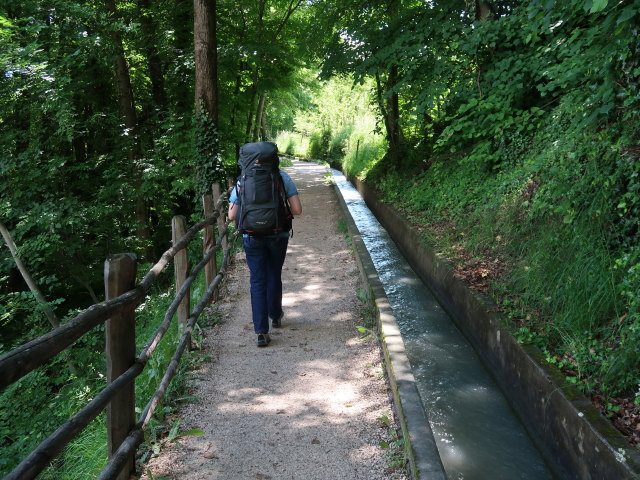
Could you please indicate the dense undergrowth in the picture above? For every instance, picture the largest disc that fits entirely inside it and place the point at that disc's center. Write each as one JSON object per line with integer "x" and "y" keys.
{"x": 553, "y": 220}
{"x": 543, "y": 217}
{"x": 517, "y": 158}
{"x": 56, "y": 392}
{"x": 553, "y": 234}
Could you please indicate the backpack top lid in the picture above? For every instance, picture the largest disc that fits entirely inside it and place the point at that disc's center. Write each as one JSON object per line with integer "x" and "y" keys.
{"x": 262, "y": 153}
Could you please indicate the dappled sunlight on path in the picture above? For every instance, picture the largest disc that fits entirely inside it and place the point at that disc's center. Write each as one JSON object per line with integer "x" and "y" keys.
{"x": 307, "y": 406}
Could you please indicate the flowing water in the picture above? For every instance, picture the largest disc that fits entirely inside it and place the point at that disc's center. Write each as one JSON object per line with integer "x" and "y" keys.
{"x": 478, "y": 435}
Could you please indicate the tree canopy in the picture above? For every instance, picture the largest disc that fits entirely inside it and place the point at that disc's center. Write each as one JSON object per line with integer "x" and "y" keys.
{"x": 510, "y": 119}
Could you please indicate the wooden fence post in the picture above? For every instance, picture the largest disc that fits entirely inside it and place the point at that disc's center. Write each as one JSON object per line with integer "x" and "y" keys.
{"x": 120, "y": 277}
{"x": 217, "y": 191}
{"x": 210, "y": 269}
{"x": 181, "y": 270}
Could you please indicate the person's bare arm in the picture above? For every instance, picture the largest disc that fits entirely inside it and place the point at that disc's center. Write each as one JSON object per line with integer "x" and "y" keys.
{"x": 294, "y": 205}
{"x": 233, "y": 210}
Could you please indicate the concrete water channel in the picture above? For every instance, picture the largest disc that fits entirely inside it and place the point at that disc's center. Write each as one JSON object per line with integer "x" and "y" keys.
{"x": 478, "y": 436}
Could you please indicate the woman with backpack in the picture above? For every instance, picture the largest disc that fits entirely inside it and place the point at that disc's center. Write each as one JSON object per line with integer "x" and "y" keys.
{"x": 263, "y": 205}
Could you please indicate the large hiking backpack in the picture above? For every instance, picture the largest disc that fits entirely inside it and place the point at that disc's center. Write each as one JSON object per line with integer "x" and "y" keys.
{"x": 264, "y": 209}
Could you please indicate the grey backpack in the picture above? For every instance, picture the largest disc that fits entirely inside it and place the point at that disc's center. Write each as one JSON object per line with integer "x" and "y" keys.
{"x": 264, "y": 209}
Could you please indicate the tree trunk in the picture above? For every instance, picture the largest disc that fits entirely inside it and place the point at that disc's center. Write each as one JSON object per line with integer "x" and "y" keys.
{"x": 206, "y": 57}
{"x": 394, "y": 108}
{"x": 234, "y": 109}
{"x": 387, "y": 117}
{"x": 258, "y": 121}
{"x": 49, "y": 313}
{"x": 252, "y": 104}
{"x": 264, "y": 131}
{"x": 483, "y": 10}
{"x": 128, "y": 110}
{"x": 153, "y": 57}
{"x": 125, "y": 91}
{"x": 182, "y": 22}
{"x": 8, "y": 239}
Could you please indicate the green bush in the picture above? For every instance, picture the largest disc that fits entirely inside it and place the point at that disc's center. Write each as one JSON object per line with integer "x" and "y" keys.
{"x": 292, "y": 143}
{"x": 319, "y": 145}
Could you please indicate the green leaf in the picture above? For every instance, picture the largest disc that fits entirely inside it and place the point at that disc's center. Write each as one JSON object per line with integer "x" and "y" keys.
{"x": 195, "y": 433}
{"x": 626, "y": 14}
{"x": 598, "y": 6}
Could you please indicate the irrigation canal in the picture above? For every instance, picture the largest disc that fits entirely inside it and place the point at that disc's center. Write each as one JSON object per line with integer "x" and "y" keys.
{"x": 477, "y": 434}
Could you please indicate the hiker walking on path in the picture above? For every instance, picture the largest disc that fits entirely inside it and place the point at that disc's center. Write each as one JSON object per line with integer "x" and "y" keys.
{"x": 263, "y": 204}
{"x": 314, "y": 405}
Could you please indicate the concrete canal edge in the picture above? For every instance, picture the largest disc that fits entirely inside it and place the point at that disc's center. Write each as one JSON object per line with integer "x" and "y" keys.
{"x": 420, "y": 445}
{"x": 577, "y": 441}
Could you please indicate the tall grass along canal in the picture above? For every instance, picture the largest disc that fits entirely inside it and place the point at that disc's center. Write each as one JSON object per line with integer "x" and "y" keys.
{"x": 477, "y": 434}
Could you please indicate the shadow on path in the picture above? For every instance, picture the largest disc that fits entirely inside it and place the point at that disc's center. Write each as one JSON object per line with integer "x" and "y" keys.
{"x": 308, "y": 405}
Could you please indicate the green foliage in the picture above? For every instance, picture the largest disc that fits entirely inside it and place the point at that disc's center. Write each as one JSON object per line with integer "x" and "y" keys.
{"x": 339, "y": 127}
{"x": 158, "y": 436}
{"x": 90, "y": 446}
{"x": 554, "y": 216}
{"x": 292, "y": 143}
{"x": 362, "y": 152}
{"x": 209, "y": 159}
{"x": 76, "y": 185}
{"x": 397, "y": 454}
{"x": 319, "y": 145}
{"x": 519, "y": 133}
{"x": 521, "y": 141}
{"x": 54, "y": 394}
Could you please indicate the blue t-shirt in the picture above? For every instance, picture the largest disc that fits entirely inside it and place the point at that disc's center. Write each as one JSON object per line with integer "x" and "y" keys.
{"x": 289, "y": 188}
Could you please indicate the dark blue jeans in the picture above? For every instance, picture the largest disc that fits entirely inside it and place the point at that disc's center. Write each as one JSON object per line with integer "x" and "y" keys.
{"x": 265, "y": 257}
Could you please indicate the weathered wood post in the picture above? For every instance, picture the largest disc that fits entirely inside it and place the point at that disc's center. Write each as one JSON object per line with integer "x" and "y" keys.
{"x": 181, "y": 270}
{"x": 120, "y": 277}
{"x": 217, "y": 191}
{"x": 210, "y": 269}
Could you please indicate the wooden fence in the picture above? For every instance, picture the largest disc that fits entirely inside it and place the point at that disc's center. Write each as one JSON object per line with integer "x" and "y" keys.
{"x": 122, "y": 296}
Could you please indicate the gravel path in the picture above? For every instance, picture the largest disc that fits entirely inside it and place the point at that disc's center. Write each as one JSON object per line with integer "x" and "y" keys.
{"x": 307, "y": 406}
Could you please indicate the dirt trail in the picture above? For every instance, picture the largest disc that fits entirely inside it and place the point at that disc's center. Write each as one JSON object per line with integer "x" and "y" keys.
{"x": 307, "y": 406}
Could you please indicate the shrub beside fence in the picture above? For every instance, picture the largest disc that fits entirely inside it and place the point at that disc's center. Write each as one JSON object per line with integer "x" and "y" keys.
{"x": 122, "y": 296}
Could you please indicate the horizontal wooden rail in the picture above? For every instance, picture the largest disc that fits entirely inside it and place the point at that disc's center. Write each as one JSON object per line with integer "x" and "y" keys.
{"x": 20, "y": 361}
{"x": 161, "y": 330}
{"x": 25, "y": 358}
{"x": 136, "y": 436}
{"x": 151, "y": 406}
{"x": 38, "y": 460}
{"x": 50, "y": 448}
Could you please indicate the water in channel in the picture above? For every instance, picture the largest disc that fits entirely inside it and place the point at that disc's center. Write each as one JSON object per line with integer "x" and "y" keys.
{"x": 477, "y": 433}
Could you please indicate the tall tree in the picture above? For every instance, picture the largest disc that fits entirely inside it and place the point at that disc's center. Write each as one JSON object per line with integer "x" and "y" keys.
{"x": 127, "y": 104}
{"x": 205, "y": 41}
{"x": 209, "y": 161}
{"x": 156, "y": 74}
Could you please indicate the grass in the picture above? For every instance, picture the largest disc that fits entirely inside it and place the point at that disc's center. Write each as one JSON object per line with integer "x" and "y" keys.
{"x": 550, "y": 232}
{"x": 395, "y": 445}
{"x": 64, "y": 394}
{"x": 85, "y": 457}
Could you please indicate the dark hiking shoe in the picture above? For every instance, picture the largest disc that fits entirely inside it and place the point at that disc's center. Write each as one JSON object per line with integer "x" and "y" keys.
{"x": 277, "y": 322}
{"x": 263, "y": 339}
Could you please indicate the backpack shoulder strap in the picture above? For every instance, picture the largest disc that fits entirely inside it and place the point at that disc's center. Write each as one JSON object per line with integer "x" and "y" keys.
{"x": 283, "y": 193}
